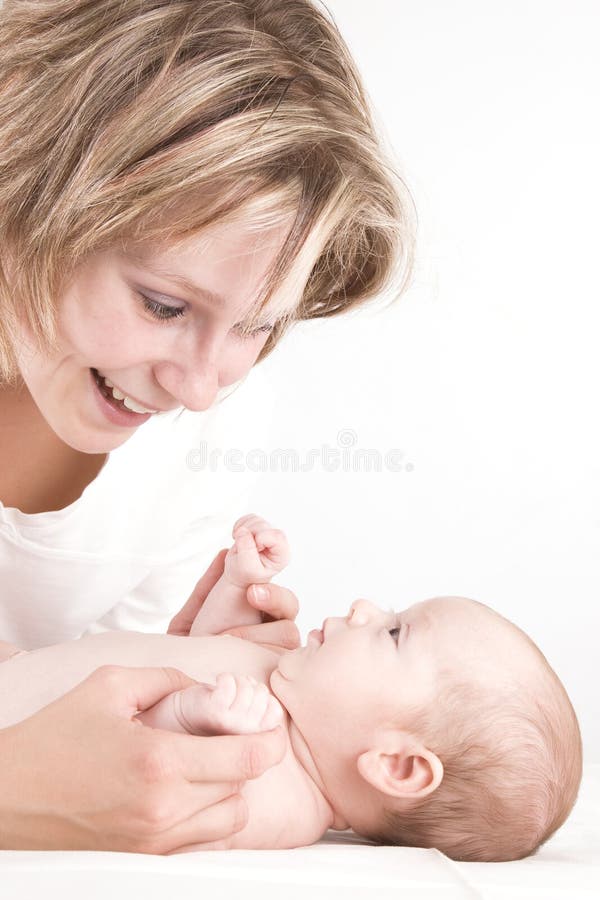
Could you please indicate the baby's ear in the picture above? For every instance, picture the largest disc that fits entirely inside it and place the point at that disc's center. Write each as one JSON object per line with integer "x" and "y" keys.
{"x": 401, "y": 767}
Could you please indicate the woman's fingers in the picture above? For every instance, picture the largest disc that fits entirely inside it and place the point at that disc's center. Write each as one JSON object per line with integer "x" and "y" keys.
{"x": 280, "y": 602}
{"x": 213, "y": 770}
{"x": 212, "y": 826}
{"x": 210, "y": 829}
{"x": 230, "y": 758}
{"x": 131, "y": 689}
{"x": 182, "y": 622}
{"x": 280, "y": 634}
{"x": 224, "y": 844}
{"x": 204, "y": 795}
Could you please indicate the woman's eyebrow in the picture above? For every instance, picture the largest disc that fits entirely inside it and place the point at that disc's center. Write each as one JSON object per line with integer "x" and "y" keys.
{"x": 254, "y": 317}
{"x": 203, "y": 293}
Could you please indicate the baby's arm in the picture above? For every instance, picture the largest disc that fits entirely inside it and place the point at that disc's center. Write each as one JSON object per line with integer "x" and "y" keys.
{"x": 30, "y": 680}
{"x": 7, "y": 650}
{"x": 236, "y": 704}
{"x": 259, "y": 552}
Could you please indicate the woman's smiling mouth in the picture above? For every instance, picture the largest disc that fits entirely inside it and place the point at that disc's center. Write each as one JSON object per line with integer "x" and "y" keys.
{"x": 128, "y": 402}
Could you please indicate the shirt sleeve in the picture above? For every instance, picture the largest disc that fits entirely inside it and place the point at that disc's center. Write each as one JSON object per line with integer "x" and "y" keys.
{"x": 151, "y": 605}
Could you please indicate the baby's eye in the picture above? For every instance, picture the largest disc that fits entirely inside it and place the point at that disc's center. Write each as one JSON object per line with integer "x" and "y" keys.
{"x": 396, "y": 628}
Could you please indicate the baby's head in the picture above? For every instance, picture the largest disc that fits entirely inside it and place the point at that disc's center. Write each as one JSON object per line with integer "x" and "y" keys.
{"x": 440, "y": 726}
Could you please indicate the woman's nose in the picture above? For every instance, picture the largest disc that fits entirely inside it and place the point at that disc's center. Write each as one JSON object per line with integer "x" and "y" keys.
{"x": 196, "y": 389}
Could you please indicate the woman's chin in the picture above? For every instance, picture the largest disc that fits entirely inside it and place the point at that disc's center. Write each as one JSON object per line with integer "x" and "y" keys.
{"x": 90, "y": 439}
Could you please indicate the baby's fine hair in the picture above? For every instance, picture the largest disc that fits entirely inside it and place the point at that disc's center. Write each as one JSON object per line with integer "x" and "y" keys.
{"x": 512, "y": 768}
{"x": 126, "y": 120}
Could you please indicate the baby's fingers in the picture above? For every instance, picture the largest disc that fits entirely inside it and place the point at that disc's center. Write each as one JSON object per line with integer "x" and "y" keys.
{"x": 252, "y": 522}
{"x": 245, "y": 693}
{"x": 273, "y": 715}
{"x": 260, "y": 709}
{"x": 225, "y": 690}
{"x": 273, "y": 543}
{"x": 245, "y": 544}
{"x": 258, "y": 705}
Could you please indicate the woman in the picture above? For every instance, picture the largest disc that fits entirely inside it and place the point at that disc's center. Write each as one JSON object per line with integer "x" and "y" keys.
{"x": 179, "y": 183}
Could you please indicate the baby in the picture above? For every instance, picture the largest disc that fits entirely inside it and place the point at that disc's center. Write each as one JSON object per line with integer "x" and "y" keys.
{"x": 439, "y": 726}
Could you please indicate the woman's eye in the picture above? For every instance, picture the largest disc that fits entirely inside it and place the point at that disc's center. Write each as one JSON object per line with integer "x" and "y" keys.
{"x": 161, "y": 311}
{"x": 165, "y": 313}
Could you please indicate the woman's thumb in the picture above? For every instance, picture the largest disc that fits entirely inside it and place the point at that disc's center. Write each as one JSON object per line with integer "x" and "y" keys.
{"x": 135, "y": 688}
{"x": 183, "y": 621}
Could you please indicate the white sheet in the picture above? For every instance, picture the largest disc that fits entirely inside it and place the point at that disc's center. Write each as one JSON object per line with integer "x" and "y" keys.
{"x": 567, "y": 868}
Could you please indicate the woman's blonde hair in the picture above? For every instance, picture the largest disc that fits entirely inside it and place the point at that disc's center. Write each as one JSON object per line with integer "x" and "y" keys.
{"x": 125, "y": 120}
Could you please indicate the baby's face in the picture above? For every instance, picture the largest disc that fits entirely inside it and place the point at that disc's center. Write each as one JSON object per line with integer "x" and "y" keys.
{"x": 372, "y": 667}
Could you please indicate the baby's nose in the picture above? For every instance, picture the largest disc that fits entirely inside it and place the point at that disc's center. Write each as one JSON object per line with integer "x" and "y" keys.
{"x": 361, "y": 611}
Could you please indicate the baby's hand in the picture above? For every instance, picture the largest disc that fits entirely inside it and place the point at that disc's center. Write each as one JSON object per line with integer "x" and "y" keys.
{"x": 237, "y": 704}
{"x": 259, "y": 552}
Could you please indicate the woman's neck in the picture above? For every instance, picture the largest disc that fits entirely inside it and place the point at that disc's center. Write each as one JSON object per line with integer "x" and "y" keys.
{"x": 17, "y": 407}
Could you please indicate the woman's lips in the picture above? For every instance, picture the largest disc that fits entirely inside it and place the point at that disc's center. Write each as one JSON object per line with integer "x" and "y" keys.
{"x": 109, "y": 387}
{"x": 317, "y": 635}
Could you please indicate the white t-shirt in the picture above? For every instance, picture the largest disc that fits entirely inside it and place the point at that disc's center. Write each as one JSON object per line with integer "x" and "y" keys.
{"x": 129, "y": 551}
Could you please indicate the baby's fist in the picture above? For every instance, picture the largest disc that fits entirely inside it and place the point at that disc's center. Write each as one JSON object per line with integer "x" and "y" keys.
{"x": 237, "y": 704}
{"x": 259, "y": 552}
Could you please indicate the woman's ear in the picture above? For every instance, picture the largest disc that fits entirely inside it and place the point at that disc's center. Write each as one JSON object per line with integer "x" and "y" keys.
{"x": 402, "y": 768}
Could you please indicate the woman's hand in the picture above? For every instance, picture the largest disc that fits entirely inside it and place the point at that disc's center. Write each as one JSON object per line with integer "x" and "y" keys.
{"x": 279, "y": 609}
{"x": 83, "y": 774}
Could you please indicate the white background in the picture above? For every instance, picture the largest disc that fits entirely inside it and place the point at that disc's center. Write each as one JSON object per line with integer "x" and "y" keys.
{"x": 485, "y": 374}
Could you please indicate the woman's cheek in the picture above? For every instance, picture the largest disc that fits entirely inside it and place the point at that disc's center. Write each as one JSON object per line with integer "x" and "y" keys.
{"x": 239, "y": 359}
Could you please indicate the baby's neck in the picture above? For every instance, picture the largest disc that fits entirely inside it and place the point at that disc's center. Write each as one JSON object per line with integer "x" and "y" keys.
{"x": 305, "y": 760}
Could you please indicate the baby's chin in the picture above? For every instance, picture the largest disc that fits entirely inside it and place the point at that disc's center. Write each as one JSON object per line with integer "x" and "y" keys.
{"x": 275, "y": 679}
{"x": 279, "y": 686}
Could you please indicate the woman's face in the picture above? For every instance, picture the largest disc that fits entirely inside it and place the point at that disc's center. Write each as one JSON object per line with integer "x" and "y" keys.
{"x": 160, "y": 342}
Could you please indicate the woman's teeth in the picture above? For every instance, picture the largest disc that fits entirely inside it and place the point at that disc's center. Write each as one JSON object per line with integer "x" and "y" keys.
{"x": 127, "y": 401}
